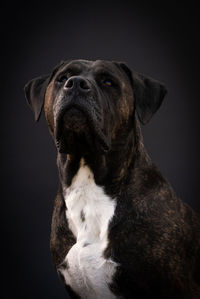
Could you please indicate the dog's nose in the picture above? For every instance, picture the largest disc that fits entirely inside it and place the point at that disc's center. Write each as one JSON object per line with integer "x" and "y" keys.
{"x": 77, "y": 83}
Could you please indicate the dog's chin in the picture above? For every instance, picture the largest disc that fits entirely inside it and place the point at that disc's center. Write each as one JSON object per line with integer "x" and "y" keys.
{"x": 75, "y": 120}
{"x": 80, "y": 133}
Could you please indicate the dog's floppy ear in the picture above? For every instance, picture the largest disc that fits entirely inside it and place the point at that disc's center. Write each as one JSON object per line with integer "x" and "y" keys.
{"x": 35, "y": 91}
{"x": 148, "y": 94}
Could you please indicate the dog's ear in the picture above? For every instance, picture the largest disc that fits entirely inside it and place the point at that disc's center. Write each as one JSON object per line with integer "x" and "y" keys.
{"x": 35, "y": 94}
{"x": 35, "y": 91}
{"x": 148, "y": 94}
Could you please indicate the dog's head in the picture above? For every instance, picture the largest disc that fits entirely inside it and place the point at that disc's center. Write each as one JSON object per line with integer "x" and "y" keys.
{"x": 87, "y": 103}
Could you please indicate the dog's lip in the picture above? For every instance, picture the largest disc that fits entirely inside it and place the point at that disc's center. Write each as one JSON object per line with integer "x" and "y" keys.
{"x": 105, "y": 147}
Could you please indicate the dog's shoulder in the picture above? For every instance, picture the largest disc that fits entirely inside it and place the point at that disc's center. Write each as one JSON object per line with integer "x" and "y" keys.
{"x": 62, "y": 239}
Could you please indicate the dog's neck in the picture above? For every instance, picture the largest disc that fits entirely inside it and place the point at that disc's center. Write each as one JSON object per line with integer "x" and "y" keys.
{"x": 111, "y": 170}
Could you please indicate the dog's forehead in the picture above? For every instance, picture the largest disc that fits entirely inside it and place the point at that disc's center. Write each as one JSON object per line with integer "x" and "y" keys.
{"x": 90, "y": 66}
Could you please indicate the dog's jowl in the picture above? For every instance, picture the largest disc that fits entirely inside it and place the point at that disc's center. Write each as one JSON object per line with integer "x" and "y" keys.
{"x": 118, "y": 228}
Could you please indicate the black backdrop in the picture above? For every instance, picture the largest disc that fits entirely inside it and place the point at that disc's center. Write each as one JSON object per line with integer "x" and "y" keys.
{"x": 160, "y": 40}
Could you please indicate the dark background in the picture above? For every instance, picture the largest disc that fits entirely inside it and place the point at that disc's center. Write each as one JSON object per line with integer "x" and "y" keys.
{"x": 160, "y": 40}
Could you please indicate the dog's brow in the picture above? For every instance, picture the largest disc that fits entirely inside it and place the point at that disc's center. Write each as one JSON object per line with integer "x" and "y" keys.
{"x": 74, "y": 67}
{"x": 103, "y": 72}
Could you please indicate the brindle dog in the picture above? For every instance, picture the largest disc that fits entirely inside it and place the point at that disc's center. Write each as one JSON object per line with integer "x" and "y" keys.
{"x": 118, "y": 228}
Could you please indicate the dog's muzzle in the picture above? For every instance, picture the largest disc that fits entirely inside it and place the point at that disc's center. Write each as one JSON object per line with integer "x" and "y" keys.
{"x": 76, "y": 113}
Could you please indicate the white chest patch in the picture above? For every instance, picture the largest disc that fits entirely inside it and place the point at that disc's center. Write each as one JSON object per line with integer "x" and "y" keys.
{"x": 89, "y": 211}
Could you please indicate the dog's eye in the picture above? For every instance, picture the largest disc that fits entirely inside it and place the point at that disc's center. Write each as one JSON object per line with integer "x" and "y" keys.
{"x": 107, "y": 82}
{"x": 62, "y": 78}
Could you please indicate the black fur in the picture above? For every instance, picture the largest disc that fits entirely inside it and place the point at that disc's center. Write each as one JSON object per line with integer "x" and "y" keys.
{"x": 35, "y": 92}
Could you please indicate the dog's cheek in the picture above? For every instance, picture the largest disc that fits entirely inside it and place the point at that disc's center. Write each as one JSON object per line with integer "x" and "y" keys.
{"x": 125, "y": 103}
{"x": 125, "y": 110}
{"x": 48, "y": 107}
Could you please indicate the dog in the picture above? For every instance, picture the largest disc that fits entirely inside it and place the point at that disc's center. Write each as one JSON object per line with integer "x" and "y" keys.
{"x": 118, "y": 228}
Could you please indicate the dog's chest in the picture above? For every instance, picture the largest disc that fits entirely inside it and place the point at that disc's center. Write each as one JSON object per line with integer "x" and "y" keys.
{"x": 89, "y": 211}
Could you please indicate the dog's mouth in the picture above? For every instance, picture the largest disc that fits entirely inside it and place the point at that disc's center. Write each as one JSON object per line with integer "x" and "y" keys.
{"x": 79, "y": 128}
